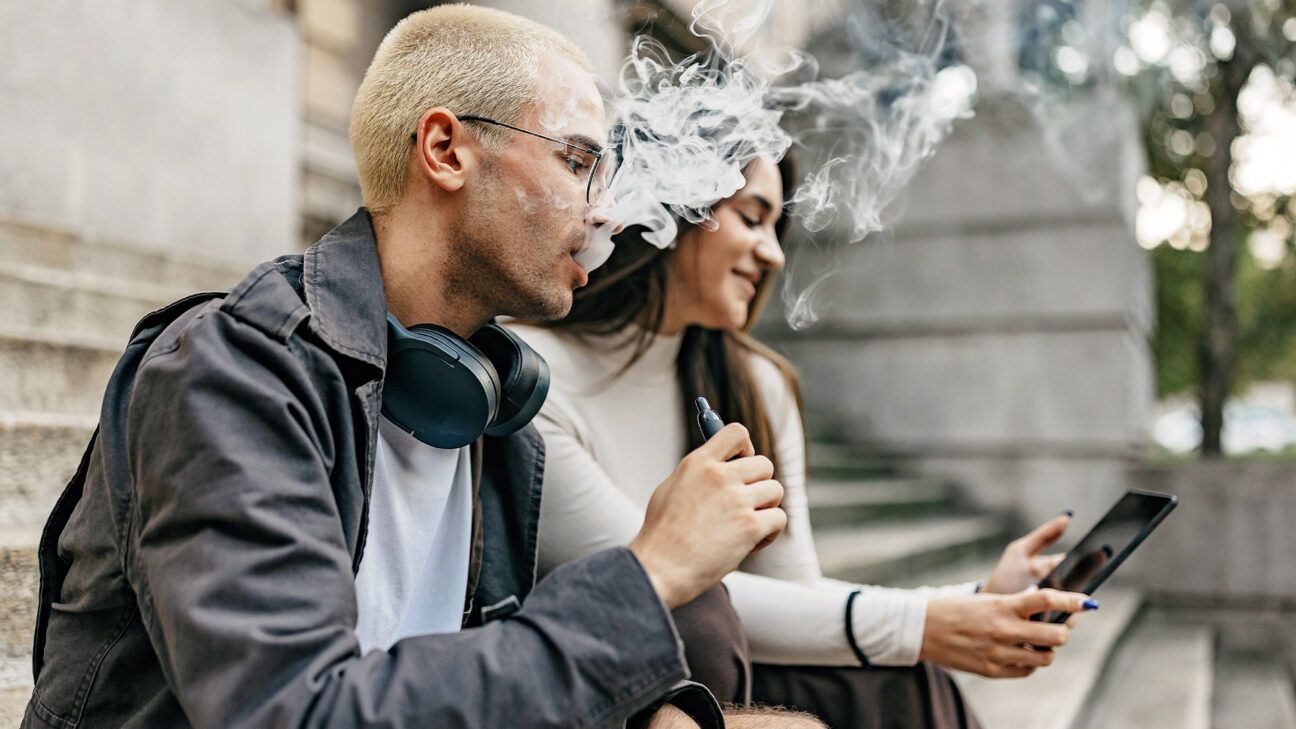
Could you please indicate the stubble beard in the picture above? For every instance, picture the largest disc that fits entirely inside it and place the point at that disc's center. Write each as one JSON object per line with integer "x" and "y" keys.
{"x": 496, "y": 263}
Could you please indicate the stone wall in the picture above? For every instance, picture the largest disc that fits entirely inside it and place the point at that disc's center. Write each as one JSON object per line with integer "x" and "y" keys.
{"x": 1230, "y": 542}
{"x": 160, "y": 123}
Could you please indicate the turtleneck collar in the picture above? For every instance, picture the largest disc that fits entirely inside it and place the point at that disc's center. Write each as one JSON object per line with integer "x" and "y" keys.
{"x": 657, "y": 362}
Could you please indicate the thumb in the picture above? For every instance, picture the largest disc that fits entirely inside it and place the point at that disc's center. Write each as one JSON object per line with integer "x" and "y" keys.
{"x": 1044, "y": 565}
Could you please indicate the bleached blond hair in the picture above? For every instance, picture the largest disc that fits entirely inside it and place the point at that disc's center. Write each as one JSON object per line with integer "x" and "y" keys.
{"x": 466, "y": 58}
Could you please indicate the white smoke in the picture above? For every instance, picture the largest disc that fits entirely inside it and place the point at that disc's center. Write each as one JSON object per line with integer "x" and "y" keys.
{"x": 685, "y": 130}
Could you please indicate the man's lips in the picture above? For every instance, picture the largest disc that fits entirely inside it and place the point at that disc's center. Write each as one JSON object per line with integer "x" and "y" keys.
{"x": 582, "y": 276}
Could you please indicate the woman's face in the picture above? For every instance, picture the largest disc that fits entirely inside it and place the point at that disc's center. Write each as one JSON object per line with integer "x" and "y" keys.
{"x": 713, "y": 274}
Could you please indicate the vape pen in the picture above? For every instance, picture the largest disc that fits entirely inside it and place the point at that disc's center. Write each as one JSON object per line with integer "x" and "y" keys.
{"x": 708, "y": 420}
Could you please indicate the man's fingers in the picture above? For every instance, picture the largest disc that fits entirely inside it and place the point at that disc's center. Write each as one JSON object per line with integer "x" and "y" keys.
{"x": 1045, "y": 534}
{"x": 753, "y": 468}
{"x": 1027, "y": 604}
{"x": 732, "y": 441}
{"x": 772, "y": 523}
{"x": 765, "y": 494}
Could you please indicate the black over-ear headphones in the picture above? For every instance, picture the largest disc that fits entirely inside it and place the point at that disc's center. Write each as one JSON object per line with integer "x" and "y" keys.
{"x": 447, "y": 392}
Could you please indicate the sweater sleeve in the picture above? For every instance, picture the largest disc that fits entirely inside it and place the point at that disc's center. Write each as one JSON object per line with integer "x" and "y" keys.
{"x": 787, "y": 626}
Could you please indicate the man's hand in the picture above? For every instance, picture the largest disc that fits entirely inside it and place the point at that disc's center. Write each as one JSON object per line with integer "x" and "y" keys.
{"x": 670, "y": 717}
{"x": 1021, "y": 564}
{"x": 993, "y": 635}
{"x": 710, "y": 514}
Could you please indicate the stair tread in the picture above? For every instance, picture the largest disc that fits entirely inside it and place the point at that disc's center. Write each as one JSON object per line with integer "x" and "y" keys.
{"x": 1052, "y": 698}
{"x": 1253, "y": 692}
{"x": 35, "y": 420}
{"x": 20, "y": 534}
{"x": 880, "y": 491}
{"x": 842, "y": 547}
{"x": 57, "y": 338}
{"x": 56, "y": 278}
{"x": 1160, "y": 678}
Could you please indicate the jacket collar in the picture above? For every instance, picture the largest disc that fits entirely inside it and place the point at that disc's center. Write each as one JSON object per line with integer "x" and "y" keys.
{"x": 344, "y": 290}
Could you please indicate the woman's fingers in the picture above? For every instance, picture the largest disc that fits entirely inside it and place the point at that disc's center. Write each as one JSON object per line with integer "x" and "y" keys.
{"x": 1021, "y": 656}
{"x": 1027, "y": 604}
{"x": 1035, "y": 633}
{"x": 1045, "y": 534}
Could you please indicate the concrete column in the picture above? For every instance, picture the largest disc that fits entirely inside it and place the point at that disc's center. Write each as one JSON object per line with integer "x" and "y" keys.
{"x": 998, "y": 335}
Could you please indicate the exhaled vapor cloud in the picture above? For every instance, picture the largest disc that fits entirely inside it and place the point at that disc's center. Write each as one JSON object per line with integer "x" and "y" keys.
{"x": 686, "y": 129}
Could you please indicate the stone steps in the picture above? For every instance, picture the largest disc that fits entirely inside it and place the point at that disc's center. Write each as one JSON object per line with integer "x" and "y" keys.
{"x": 21, "y": 579}
{"x": 1253, "y": 691}
{"x": 53, "y": 372}
{"x": 73, "y": 252}
{"x": 836, "y": 503}
{"x": 884, "y": 551}
{"x": 15, "y": 689}
{"x": 38, "y": 454}
{"x": 1161, "y": 677}
{"x": 1053, "y": 698}
{"x": 833, "y": 461}
{"x": 78, "y": 303}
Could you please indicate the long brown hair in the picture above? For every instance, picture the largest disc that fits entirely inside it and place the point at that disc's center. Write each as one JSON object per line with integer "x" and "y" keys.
{"x": 714, "y": 363}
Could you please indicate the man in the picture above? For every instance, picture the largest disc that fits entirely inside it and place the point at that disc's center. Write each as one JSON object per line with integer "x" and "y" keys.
{"x": 249, "y": 543}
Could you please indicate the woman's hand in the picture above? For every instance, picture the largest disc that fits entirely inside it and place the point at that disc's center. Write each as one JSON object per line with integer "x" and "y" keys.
{"x": 1021, "y": 564}
{"x": 992, "y": 635}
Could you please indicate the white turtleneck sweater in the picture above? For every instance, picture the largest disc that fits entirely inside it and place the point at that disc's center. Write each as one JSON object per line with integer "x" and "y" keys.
{"x": 610, "y": 441}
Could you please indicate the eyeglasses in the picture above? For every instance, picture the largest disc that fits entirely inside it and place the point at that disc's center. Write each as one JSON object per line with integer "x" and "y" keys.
{"x": 599, "y": 162}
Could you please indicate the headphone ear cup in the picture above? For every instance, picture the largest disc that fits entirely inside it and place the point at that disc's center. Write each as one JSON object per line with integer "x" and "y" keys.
{"x": 523, "y": 373}
{"x": 437, "y": 387}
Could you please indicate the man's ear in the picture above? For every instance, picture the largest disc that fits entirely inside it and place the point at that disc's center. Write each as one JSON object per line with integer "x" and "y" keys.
{"x": 445, "y": 153}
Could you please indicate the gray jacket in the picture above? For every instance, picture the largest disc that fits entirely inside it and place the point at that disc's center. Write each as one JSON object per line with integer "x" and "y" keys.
{"x": 199, "y": 568}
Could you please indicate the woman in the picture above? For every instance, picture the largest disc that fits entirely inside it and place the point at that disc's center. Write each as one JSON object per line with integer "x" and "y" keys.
{"x": 652, "y": 330}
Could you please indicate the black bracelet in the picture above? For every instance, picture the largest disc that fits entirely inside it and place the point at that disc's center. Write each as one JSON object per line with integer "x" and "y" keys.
{"x": 850, "y": 630}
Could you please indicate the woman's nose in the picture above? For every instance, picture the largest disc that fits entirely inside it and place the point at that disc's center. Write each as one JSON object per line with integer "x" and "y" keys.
{"x": 769, "y": 254}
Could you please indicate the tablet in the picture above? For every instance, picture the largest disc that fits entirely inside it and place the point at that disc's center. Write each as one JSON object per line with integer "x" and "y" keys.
{"x": 1107, "y": 545}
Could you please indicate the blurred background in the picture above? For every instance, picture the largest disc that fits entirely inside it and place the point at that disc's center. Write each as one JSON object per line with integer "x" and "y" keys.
{"x": 1088, "y": 287}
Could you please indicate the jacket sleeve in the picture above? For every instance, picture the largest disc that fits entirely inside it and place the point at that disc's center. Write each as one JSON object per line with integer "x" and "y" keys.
{"x": 244, "y": 580}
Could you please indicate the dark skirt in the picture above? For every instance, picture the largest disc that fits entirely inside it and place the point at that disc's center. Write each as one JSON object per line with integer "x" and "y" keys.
{"x": 921, "y": 696}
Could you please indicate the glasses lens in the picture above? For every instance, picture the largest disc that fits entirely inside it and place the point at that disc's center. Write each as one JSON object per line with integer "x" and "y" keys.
{"x": 601, "y": 175}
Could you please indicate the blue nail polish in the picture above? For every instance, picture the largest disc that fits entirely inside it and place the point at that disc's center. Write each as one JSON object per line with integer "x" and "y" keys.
{"x": 1091, "y": 604}
{"x": 1068, "y": 512}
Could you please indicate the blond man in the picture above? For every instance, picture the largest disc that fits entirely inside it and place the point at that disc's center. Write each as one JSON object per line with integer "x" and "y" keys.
{"x": 251, "y": 540}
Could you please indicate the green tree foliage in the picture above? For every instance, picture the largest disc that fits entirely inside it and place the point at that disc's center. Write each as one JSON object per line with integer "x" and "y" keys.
{"x": 1223, "y": 317}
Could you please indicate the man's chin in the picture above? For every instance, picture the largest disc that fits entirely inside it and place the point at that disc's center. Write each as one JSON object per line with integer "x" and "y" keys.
{"x": 552, "y": 307}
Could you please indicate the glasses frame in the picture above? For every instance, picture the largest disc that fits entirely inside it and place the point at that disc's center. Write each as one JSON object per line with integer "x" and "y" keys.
{"x": 598, "y": 153}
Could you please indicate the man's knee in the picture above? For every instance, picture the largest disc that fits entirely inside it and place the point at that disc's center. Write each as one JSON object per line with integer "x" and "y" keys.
{"x": 759, "y": 718}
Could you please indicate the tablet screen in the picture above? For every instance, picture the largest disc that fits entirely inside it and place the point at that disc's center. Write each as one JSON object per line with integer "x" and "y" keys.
{"x": 1098, "y": 554}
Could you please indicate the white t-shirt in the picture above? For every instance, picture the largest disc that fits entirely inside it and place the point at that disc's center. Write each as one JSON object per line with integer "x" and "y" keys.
{"x": 413, "y": 576}
{"x": 611, "y": 437}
